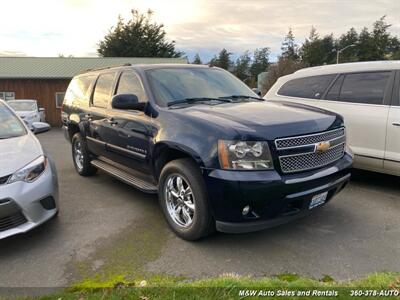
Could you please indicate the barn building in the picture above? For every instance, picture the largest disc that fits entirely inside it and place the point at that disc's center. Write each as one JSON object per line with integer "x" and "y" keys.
{"x": 46, "y": 78}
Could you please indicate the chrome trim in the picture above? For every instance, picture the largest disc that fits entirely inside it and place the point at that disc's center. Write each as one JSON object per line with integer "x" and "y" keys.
{"x": 134, "y": 153}
{"x": 95, "y": 140}
{"x": 308, "y": 135}
{"x": 313, "y": 152}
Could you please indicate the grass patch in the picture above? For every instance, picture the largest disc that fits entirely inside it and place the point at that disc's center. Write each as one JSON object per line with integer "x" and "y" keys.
{"x": 227, "y": 286}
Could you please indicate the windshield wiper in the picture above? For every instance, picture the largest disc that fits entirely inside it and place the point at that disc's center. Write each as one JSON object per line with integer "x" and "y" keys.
{"x": 241, "y": 97}
{"x": 197, "y": 99}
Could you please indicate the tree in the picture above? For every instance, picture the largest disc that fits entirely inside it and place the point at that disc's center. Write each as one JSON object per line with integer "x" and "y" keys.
{"x": 138, "y": 37}
{"x": 242, "y": 66}
{"x": 316, "y": 51}
{"x": 260, "y": 61}
{"x": 347, "y": 39}
{"x": 223, "y": 60}
{"x": 289, "y": 47}
{"x": 197, "y": 60}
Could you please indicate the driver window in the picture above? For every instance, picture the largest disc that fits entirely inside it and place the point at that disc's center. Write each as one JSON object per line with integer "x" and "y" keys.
{"x": 129, "y": 83}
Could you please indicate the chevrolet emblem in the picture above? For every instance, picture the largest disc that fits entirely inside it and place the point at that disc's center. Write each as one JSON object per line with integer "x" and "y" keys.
{"x": 322, "y": 147}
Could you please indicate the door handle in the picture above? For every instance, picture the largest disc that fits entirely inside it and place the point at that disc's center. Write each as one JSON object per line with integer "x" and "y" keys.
{"x": 396, "y": 123}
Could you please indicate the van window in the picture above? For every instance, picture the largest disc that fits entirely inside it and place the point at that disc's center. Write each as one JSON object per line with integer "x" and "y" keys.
{"x": 129, "y": 83}
{"x": 78, "y": 89}
{"x": 368, "y": 88}
{"x": 103, "y": 90}
{"x": 308, "y": 87}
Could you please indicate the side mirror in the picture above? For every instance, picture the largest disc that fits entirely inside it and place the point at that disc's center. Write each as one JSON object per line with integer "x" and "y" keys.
{"x": 257, "y": 91}
{"x": 127, "y": 101}
{"x": 39, "y": 127}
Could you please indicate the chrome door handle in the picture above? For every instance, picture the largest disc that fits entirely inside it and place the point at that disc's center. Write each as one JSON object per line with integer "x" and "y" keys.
{"x": 396, "y": 123}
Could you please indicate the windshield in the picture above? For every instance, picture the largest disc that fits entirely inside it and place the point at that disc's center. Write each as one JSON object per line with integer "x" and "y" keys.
{"x": 23, "y": 105}
{"x": 10, "y": 125}
{"x": 174, "y": 84}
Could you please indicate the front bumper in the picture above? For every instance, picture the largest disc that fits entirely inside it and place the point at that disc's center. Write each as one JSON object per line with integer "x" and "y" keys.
{"x": 273, "y": 199}
{"x": 24, "y": 206}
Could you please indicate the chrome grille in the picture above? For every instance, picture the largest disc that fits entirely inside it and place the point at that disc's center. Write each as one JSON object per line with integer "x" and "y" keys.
{"x": 300, "y": 153}
{"x": 309, "y": 139}
{"x": 12, "y": 221}
{"x": 313, "y": 160}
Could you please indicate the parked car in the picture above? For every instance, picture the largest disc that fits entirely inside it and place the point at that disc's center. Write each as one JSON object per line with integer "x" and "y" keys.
{"x": 28, "y": 178}
{"x": 366, "y": 94}
{"x": 28, "y": 110}
{"x": 217, "y": 155}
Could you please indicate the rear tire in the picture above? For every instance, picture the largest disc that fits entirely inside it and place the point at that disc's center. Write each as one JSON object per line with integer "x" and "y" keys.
{"x": 81, "y": 157}
{"x": 184, "y": 201}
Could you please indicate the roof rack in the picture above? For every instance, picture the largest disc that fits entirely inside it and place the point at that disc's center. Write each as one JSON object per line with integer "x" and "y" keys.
{"x": 105, "y": 68}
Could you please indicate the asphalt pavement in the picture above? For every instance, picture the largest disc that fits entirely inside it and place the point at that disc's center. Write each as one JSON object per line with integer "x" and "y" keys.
{"x": 106, "y": 228}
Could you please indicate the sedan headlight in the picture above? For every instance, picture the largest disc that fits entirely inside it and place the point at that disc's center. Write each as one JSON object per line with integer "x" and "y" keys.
{"x": 244, "y": 155}
{"x": 31, "y": 171}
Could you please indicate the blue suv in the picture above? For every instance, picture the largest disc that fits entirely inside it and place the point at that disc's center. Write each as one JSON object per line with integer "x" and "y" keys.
{"x": 219, "y": 157}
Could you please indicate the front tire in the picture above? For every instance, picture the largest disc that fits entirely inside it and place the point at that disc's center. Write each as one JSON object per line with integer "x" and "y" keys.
{"x": 81, "y": 157}
{"x": 183, "y": 200}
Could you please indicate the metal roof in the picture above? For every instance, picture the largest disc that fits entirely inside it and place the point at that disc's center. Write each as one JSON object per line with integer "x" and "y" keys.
{"x": 68, "y": 67}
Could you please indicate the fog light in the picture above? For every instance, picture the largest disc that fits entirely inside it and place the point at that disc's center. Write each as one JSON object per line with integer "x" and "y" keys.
{"x": 246, "y": 210}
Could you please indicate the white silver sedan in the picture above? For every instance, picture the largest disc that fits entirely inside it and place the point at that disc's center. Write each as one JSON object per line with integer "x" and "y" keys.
{"x": 28, "y": 110}
{"x": 28, "y": 178}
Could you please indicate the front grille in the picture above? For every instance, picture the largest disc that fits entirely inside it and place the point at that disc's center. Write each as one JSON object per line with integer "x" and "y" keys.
{"x": 12, "y": 221}
{"x": 313, "y": 160}
{"x": 4, "y": 179}
{"x": 304, "y": 140}
{"x": 300, "y": 153}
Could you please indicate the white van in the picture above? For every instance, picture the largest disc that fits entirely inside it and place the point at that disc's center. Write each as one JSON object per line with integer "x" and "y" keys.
{"x": 366, "y": 94}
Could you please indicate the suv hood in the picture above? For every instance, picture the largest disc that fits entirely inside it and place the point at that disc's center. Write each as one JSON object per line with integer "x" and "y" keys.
{"x": 17, "y": 152}
{"x": 268, "y": 120}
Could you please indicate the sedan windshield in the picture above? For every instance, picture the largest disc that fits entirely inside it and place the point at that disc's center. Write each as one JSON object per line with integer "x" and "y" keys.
{"x": 23, "y": 105}
{"x": 175, "y": 85}
{"x": 10, "y": 125}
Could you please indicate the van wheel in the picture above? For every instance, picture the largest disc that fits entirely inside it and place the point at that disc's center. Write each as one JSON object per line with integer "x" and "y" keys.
{"x": 183, "y": 199}
{"x": 80, "y": 156}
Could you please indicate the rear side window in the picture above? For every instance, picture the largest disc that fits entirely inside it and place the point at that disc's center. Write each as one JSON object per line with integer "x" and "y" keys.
{"x": 368, "y": 88}
{"x": 103, "y": 90}
{"x": 129, "y": 83}
{"x": 78, "y": 89}
{"x": 334, "y": 91}
{"x": 308, "y": 87}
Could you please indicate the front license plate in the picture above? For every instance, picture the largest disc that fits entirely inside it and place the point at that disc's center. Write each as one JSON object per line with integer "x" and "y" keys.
{"x": 318, "y": 200}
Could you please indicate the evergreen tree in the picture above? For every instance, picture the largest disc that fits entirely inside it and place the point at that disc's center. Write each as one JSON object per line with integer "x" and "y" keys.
{"x": 289, "y": 47}
{"x": 197, "y": 60}
{"x": 242, "y": 66}
{"x": 138, "y": 37}
{"x": 223, "y": 60}
{"x": 260, "y": 61}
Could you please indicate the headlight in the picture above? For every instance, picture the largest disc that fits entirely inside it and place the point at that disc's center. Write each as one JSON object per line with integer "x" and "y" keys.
{"x": 31, "y": 171}
{"x": 244, "y": 155}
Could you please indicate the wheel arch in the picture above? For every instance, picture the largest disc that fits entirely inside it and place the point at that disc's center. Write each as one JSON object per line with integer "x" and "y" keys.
{"x": 165, "y": 152}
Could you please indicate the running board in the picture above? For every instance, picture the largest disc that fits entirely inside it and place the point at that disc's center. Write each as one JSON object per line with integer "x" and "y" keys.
{"x": 125, "y": 177}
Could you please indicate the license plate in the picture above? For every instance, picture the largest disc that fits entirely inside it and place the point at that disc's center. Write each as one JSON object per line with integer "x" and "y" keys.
{"x": 318, "y": 200}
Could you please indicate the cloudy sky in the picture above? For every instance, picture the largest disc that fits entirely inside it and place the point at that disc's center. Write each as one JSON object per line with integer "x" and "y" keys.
{"x": 74, "y": 27}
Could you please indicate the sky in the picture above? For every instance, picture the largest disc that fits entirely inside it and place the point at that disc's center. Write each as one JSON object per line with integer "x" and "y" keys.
{"x": 74, "y": 27}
